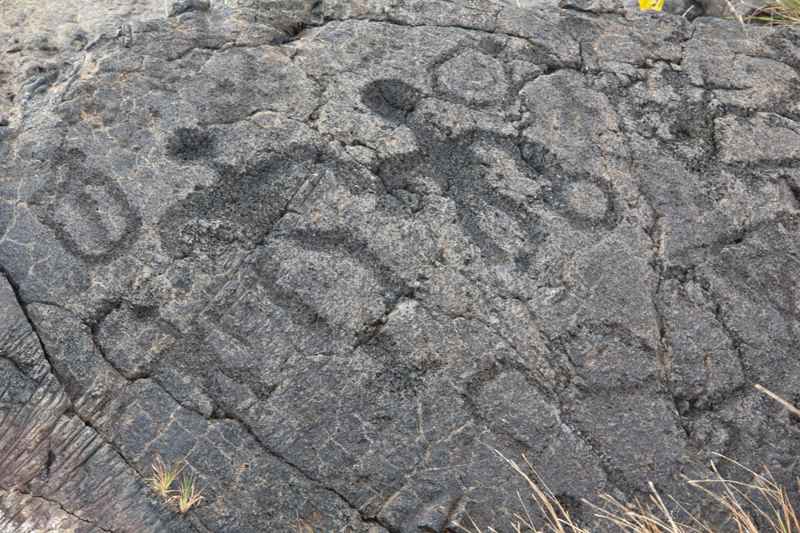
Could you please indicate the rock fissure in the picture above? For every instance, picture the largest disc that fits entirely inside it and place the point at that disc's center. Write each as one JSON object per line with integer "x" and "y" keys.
{"x": 302, "y": 472}
{"x": 331, "y": 253}
{"x": 23, "y": 308}
{"x": 61, "y": 507}
{"x": 86, "y": 421}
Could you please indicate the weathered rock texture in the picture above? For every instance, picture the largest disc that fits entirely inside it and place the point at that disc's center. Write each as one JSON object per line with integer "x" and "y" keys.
{"x": 336, "y": 254}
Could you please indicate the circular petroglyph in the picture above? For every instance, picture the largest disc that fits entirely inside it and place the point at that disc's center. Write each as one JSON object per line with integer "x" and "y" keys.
{"x": 88, "y": 212}
{"x": 473, "y": 77}
{"x": 586, "y": 201}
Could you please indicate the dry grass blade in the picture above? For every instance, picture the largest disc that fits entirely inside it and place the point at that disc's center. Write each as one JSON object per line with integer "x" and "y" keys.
{"x": 785, "y": 403}
{"x": 557, "y": 518}
{"x": 748, "y": 503}
{"x": 780, "y": 13}
{"x": 163, "y": 477}
{"x": 303, "y": 527}
{"x": 759, "y": 505}
{"x": 188, "y": 495}
{"x": 735, "y": 12}
{"x": 473, "y": 528}
{"x": 643, "y": 517}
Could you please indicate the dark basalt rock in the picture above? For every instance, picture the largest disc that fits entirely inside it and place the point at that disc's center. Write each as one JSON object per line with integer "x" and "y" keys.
{"x": 335, "y": 254}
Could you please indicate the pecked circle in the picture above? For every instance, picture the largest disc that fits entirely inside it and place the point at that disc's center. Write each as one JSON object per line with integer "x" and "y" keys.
{"x": 473, "y": 77}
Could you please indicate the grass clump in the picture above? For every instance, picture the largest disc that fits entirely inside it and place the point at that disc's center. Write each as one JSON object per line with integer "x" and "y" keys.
{"x": 163, "y": 477}
{"x": 756, "y": 506}
{"x": 759, "y": 505}
{"x": 186, "y": 496}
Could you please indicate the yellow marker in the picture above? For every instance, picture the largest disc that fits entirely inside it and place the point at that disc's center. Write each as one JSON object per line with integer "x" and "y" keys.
{"x": 651, "y": 5}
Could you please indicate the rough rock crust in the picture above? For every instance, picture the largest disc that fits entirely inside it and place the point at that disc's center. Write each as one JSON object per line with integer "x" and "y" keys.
{"x": 336, "y": 254}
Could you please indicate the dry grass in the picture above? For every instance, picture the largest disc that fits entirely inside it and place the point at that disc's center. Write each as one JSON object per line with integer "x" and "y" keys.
{"x": 756, "y": 506}
{"x": 188, "y": 494}
{"x": 784, "y": 403}
{"x": 302, "y": 527}
{"x": 163, "y": 477}
{"x": 776, "y": 13}
{"x": 760, "y": 501}
{"x": 759, "y": 505}
{"x": 779, "y": 13}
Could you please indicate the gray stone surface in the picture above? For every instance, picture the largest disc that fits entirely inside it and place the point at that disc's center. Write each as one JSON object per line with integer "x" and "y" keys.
{"x": 336, "y": 254}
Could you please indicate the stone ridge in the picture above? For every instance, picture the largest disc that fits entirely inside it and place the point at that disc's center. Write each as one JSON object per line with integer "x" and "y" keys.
{"x": 339, "y": 255}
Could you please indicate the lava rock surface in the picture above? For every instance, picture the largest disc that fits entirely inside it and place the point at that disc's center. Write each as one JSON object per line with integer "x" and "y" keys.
{"x": 337, "y": 255}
